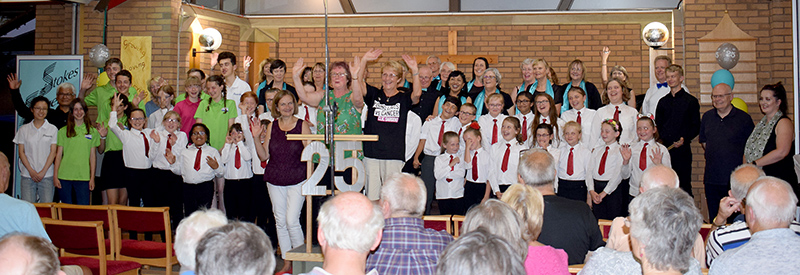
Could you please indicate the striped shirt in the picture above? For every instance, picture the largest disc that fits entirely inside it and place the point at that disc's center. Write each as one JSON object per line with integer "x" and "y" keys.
{"x": 732, "y": 236}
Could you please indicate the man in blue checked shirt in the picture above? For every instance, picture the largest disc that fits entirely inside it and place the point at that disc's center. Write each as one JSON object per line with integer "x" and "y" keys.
{"x": 407, "y": 247}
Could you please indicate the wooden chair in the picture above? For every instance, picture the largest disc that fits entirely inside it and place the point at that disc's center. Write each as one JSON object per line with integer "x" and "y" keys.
{"x": 144, "y": 219}
{"x": 438, "y": 222}
{"x": 605, "y": 227}
{"x": 575, "y": 269}
{"x": 704, "y": 230}
{"x": 74, "y": 212}
{"x": 457, "y": 221}
{"x": 86, "y": 236}
{"x": 46, "y": 210}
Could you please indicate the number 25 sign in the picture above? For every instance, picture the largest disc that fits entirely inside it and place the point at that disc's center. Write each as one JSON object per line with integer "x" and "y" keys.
{"x": 311, "y": 185}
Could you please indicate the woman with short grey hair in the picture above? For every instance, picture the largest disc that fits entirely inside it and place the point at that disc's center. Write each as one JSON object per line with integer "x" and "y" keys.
{"x": 497, "y": 218}
{"x": 663, "y": 223}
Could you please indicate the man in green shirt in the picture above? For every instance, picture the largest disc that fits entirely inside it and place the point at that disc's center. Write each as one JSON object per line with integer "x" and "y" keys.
{"x": 101, "y": 96}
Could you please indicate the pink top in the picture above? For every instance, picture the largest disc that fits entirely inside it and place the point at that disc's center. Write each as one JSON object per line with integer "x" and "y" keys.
{"x": 546, "y": 260}
{"x": 186, "y": 110}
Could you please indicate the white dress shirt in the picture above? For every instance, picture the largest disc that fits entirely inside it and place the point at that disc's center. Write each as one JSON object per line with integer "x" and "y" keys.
{"x": 653, "y": 95}
{"x": 613, "y": 168}
{"x": 133, "y": 149}
{"x": 235, "y": 92}
{"x": 413, "y": 128}
{"x": 37, "y": 142}
{"x": 154, "y": 121}
{"x": 487, "y": 123}
{"x": 430, "y": 133}
{"x": 186, "y": 164}
{"x": 627, "y": 116}
{"x": 587, "y": 117}
{"x": 527, "y": 128}
{"x": 158, "y": 149}
{"x": 304, "y": 109}
{"x": 497, "y": 177}
{"x": 449, "y": 180}
{"x": 580, "y": 162}
{"x": 484, "y": 165}
{"x": 636, "y": 152}
{"x": 461, "y": 144}
{"x": 245, "y": 170}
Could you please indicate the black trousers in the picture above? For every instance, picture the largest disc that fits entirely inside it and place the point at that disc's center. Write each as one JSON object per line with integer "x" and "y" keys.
{"x": 681, "y": 159}
{"x": 168, "y": 191}
{"x": 572, "y": 189}
{"x": 239, "y": 199}
{"x": 196, "y": 196}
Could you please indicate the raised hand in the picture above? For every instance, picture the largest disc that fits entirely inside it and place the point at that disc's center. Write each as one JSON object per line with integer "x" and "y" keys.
{"x": 155, "y": 136}
{"x": 212, "y": 162}
{"x": 372, "y": 54}
{"x": 173, "y": 139}
{"x": 657, "y": 154}
{"x": 605, "y": 53}
{"x": 297, "y": 69}
{"x": 169, "y": 156}
{"x": 412, "y": 63}
{"x": 115, "y": 101}
{"x": 247, "y": 61}
{"x": 13, "y": 81}
{"x": 355, "y": 66}
{"x": 255, "y": 128}
{"x": 229, "y": 138}
{"x": 454, "y": 162}
{"x": 625, "y": 151}
{"x": 101, "y": 129}
{"x": 214, "y": 57}
{"x": 88, "y": 81}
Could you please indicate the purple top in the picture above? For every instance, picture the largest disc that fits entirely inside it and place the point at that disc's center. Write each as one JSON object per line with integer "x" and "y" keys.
{"x": 546, "y": 260}
{"x": 284, "y": 167}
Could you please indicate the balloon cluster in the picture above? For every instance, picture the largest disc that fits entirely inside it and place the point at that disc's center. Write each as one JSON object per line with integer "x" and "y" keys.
{"x": 727, "y": 57}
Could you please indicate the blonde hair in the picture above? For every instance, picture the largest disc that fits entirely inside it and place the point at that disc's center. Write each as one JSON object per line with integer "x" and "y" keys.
{"x": 529, "y": 204}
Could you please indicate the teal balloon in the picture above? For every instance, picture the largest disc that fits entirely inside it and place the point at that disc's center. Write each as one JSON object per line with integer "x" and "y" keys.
{"x": 722, "y": 76}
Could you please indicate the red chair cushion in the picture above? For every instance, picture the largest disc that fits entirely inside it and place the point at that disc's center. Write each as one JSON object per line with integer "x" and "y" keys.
{"x": 91, "y": 251}
{"x": 435, "y": 225}
{"x": 704, "y": 233}
{"x": 606, "y": 231}
{"x": 44, "y": 212}
{"x": 113, "y": 267}
{"x": 143, "y": 249}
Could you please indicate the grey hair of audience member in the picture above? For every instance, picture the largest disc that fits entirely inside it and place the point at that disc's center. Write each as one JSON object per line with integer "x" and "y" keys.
{"x": 498, "y": 218}
{"x": 43, "y": 256}
{"x": 665, "y": 222}
{"x": 480, "y": 253}
{"x": 659, "y": 175}
{"x": 405, "y": 194}
{"x": 237, "y": 248}
{"x": 772, "y": 201}
{"x": 345, "y": 228}
{"x": 191, "y": 229}
{"x": 449, "y": 65}
{"x": 537, "y": 168}
{"x": 497, "y": 75}
{"x": 742, "y": 178}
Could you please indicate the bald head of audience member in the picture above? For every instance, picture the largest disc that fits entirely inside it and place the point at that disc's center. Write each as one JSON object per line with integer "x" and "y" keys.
{"x": 770, "y": 204}
{"x": 658, "y": 175}
{"x": 189, "y": 232}
{"x": 28, "y": 255}
{"x": 237, "y": 248}
{"x": 537, "y": 169}
{"x": 350, "y": 226}
{"x": 403, "y": 195}
{"x": 742, "y": 178}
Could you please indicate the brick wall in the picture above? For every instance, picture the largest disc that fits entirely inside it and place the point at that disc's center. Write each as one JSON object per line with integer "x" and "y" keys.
{"x": 558, "y": 44}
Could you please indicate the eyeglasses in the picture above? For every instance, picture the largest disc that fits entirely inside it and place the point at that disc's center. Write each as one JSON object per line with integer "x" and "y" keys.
{"x": 523, "y": 101}
{"x": 389, "y": 75}
{"x": 495, "y": 105}
{"x": 542, "y": 135}
{"x": 489, "y": 77}
{"x": 338, "y": 74}
{"x": 198, "y": 133}
{"x": 137, "y": 118}
{"x": 720, "y": 96}
{"x": 65, "y": 94}
{"x": 40, "y": 109}
{"x": 171, "y": 120}
{"x": 542, "y": 102}
{"x": 467, "y": 113}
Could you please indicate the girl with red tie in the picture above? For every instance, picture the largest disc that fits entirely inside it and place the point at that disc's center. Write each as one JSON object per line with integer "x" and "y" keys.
{"x": 606, "y": 164}
{"x": 572, "y": 169}
{"x": 545, "y": 112}
{"x": 136, "y": 153}
{"x": 644, "y": 153}
{"x": 236, "y": 158}
{"x": 198, "y": 165}
{"x": 168, "y": 138}
{"x": 505, "y": 157}
{"x": 478, "y": 162}
{"x": 449, "y": 173}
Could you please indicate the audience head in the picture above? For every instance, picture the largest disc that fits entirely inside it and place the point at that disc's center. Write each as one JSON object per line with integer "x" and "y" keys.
{"x": 497, "y": 218}
{"x": 537, "y": 168}
{"x": 770, "y": 204}
{"x": 403, "y": 195}
{"x": 5, "y": 172}
{"x": 191, "y": 229}
{"x": 350, "y": 221}
{"x": 658, "y": 175}
{"x": 480, "y": 253}
{"x": 237, "y": 248}
{"x": 28, "y": 255}
{"x": 742, "y": 178}
{"x": 664, "y": 223}
{"x": 529, "y": 204}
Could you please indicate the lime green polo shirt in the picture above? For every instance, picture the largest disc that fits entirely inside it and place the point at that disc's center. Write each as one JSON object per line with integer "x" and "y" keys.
{"x": 112, "y": 141}
{"x": 101, "y": 97}
{"x": 76, "y": 153}
{"x": 216, "y": 119}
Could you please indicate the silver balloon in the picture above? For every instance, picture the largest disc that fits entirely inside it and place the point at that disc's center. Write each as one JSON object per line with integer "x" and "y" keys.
{"x": 98, "y": 55}
{"x": 655, "y": 34}
{"x": 727, "y": 56}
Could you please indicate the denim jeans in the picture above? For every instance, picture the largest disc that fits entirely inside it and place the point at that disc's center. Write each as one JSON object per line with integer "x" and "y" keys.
{"x": 34, "y": 192}
{"x": 81, "y": 191}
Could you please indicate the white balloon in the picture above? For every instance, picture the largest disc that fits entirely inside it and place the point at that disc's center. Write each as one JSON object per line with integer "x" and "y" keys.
{"x": 727, "y": 55}
{"x": 98, "y": 55}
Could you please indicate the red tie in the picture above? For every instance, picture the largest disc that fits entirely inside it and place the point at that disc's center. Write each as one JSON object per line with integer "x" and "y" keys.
{"x": 602, "y": 169}
{"x": 238, "y": 162}
{"x": 264, "y": 164}
{"x": 169, "y": 145}
{"x": 579, "y": 118}
{"x": 494, "y": 132}
{"x": 459, "y": 131}
{"x": 524, "y": 128}
{"x": 643, "y": 158}
{"x": 616, "y": 113}
{"x": 146, "y": 145}
{"x": 569, "y": 163}
{"x": 544, "y": 121}
{"x": 504, "y": 167}
{"x": 441, "y": 133}
{"x": 475, "y": 166}
{"x": 197, "y": 159}
{"x": 307, "y": 116}
{"x": 451, "y": 168}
